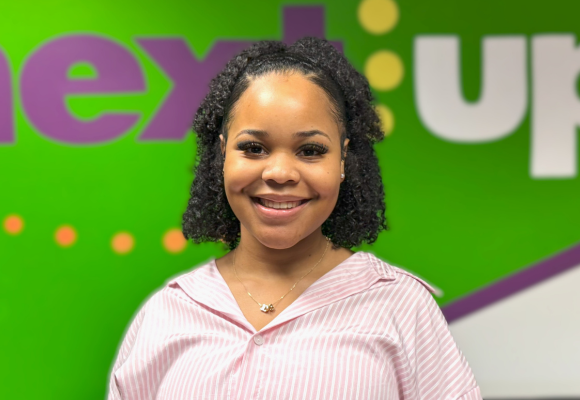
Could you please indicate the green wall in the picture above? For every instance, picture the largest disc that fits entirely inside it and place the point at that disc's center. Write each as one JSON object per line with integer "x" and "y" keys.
{"x": 461, "y": 215}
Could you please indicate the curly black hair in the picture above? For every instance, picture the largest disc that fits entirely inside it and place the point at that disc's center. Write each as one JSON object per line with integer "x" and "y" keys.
{"x": 359, "y": 214}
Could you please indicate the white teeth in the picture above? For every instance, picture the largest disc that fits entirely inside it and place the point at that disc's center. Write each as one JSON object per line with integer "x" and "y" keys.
{"x": 279, "y": 205}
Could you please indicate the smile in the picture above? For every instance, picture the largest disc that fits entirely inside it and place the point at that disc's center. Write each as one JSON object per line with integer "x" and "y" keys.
{"x": 279, "y": 209}
{"x": 280, "y": 205}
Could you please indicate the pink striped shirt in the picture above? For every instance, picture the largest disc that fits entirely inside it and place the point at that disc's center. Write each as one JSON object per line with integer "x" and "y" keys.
{"x": 365, "y": 330}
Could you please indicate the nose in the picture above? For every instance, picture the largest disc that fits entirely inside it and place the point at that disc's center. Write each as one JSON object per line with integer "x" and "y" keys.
{"x": 282, "y": 169}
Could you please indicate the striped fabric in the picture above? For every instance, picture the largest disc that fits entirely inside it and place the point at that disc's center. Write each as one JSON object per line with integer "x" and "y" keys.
{"x": 365, "y": 330}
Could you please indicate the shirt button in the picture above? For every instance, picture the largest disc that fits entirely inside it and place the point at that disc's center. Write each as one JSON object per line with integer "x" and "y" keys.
{"x": 259, "y": 340}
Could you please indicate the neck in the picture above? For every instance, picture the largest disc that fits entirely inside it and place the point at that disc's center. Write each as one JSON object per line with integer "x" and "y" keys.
{"x": 256, "y": 259}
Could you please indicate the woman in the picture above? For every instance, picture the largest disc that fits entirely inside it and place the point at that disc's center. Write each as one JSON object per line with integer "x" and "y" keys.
{"x": 287, "y": 177}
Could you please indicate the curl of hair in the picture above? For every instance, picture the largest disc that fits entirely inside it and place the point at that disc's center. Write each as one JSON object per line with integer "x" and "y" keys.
{"x": 359, "y": 214}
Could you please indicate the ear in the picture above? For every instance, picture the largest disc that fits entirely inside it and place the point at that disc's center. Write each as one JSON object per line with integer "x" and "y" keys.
{"x": 345, "y": 148}
{"x": 223, "y": 145}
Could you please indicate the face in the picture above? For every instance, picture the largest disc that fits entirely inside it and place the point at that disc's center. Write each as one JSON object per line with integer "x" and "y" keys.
{"x": 282, "y": 170}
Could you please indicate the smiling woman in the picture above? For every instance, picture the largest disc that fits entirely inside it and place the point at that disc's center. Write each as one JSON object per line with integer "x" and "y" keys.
{"x": 309, "y": 94}
{"x": 283, "y": 160}
{"x": 286, "y": 167}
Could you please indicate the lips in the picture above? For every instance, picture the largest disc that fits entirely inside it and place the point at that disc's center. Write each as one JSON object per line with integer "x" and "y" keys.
{"x": 281, "y": 209}
{"x": 279, "y": 205}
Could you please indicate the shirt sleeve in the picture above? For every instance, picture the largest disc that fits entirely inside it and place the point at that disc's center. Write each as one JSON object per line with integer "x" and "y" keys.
{"x": 438, "y": 368}
{"x": 123, "y": 353}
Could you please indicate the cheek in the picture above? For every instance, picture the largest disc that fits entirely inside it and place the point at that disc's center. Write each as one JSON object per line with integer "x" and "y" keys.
{"x": 325, "y": 181}
{"x": 239, "y": 174}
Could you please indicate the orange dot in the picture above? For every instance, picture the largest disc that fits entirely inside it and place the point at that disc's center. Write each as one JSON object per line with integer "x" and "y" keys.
{"x": 65, "y": 236}
{"x": 173, "y": 241}
{"x": 13, "y": 224}
{"x": 122, "y": 243}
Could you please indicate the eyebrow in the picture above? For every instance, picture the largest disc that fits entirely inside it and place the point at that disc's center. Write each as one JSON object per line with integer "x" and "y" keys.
{"x": 262, "y": 134}
{"x": 253, "y": 132}
{"x": 311, "y": 133}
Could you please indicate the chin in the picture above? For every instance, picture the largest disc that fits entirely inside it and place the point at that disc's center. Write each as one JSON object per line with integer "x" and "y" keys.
{"x": 279, "y": 239}
{"x": 277, "y": 242}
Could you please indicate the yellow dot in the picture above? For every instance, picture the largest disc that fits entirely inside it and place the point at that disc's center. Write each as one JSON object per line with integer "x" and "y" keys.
{"x": 378, "y": 16}
{"x": 174, "y": 241}
{"x": 122, "y": 243}
{"x": 65, "y": 236}
{"x": 384, "y": 70}
{"x": 13, "y": 224}
{"x": 387, "y": 118}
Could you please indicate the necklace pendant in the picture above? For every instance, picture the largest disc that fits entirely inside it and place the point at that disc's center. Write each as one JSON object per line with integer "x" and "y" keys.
{"x": 266, "y": 308}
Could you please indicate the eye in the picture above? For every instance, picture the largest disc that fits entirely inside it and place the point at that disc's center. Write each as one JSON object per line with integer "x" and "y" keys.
{"x": 252, "y": 148}
{"x": 313, "y": 150}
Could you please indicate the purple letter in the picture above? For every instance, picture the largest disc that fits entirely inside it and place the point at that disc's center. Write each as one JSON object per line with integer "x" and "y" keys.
{"x": 6, "y": 112}
{"x": 44, "y": 85}
{"x": 190, "y": 82}
{"x": 191, "y": 77}
{"x": 300, "y": 21}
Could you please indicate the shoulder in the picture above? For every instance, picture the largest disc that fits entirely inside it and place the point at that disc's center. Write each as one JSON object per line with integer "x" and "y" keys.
{"x": 176, "y": 289}
{"x": 399, "y": 277}
{"x": 194, "y": 274}
{"x": 415, "y": 323}
{"x": 403, "y": 293}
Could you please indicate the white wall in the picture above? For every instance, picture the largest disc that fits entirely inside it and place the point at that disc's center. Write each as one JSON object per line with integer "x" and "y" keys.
{"x": 527, "y": 345}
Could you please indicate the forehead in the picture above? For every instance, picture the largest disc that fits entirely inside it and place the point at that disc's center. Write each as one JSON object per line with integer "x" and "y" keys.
{"x": 284, "y": 102}
{"x": 290, "y": 84}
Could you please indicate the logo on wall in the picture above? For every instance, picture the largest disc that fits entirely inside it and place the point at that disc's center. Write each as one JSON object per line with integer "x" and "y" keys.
{"x": 45, "y": 83}
{"x": 503, "y": 103}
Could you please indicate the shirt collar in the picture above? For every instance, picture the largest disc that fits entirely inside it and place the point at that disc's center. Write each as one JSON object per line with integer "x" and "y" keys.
{"x": 206, "y": 286}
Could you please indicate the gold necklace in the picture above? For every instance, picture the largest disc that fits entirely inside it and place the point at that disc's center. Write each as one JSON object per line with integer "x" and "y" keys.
{"x": 270, "y": 307}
